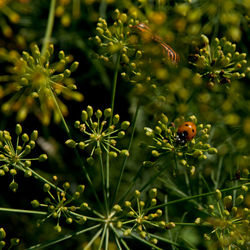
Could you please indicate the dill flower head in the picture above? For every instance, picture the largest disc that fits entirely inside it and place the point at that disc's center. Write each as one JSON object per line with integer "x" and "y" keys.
{"x": 220, "y": 62}
{"x": 13, "y": 157}
{"x": 101, "y": 131}
{"x": 35, "y": 84}
{"x": 185, "y": 143}
{"x": 229, "y": 219}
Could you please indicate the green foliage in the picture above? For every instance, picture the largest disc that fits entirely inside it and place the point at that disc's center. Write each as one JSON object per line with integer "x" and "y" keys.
{"x": 166, "y": 165}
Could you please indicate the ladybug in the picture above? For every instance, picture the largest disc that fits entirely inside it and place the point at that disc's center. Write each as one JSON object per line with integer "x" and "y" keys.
{"x": 186, "y": 132}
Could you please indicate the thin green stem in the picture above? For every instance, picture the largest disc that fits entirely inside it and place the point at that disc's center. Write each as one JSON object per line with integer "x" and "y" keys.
{"x": 62, "y": 238}
{"x": 119, "y": 237}
{"x": 103, "y": 235}
{"x": 77, "y": 154}
{"x": 14, "y": 210}
{"x": 195, "y": 197}
{"x": 49, "y": 26}
{"x": 93, "y": 239}
{"x": 126, "y": 157}
{"x": 117, "y": 63}
{"x": 103, "y": 183}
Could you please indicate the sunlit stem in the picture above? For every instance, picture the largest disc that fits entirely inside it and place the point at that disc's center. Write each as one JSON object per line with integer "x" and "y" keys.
{"x": 49, "y": 26}
{"x": 117, "y": 63}
{"x": 125, "y": 159}
{"x": 77, "y": 154}
{"x": 195, "y": 197}
{"x": 13, "y": 210}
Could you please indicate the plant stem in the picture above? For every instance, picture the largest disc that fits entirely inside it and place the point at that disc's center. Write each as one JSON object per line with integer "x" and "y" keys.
{"x": 194, "y": 197}
{"x": 103, "y": 183}
{"x": 14, "y": 210}
{"x": 117, "y": 63}
{"x": 62, "y": 238}
{"x": 49, "y": 26}
{"x": 77, "y": 154}
{"x": 125, "y": 159}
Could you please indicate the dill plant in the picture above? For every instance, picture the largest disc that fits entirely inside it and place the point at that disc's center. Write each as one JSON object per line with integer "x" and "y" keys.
{"x": 156, "y": 194}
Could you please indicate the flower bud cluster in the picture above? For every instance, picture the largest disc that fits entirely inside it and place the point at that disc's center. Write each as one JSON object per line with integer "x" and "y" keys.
{"x": 60, "y": 205}
{"x": 101, "y": 130}
{"x": 220, "y": 62}
{"x": 141, "y": 216}
{"x": 13, "y": 158}
{"x": 229, "y": 219}
{"x": 13, "y": 241}
{"x": 165, "y": 142}
{"x": 35, "y": 79}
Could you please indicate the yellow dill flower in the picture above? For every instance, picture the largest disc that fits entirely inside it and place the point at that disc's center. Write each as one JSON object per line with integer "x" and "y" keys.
{"x": 35, "y": 83}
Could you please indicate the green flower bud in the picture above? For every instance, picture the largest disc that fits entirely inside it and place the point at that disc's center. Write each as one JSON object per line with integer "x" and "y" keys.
{"x": 13, "y": 172}
{"x": 81, "y": 145}
{"x": 153, "y": 202}
{"x": 34, "y": 135}
{"x": 14, "y": 241}
{"x": 239, "y": 200}
{"x": 76, "y": 195}
{"x": 98, "y": 114}
{"x": 137, "y": 193}
{"x": 157, "y": 130}
{"x": 125, "y": 153}
{"x": 117, "y": 208}
{"x": 170, "y": 225}
{"x": 143, "y": 234}
{"x": 211, "y": 208}
{"x": 74, "y": 66}
{"x": 218, "y": 194}
{"x": 90, "y": 161}
{"x": 90, "y": 111}
{"x": 125, "y": 125}
{"x": 155, "y": 153}
{"x": 2, "y": 233}
{"x": 127, "y": 204}
{"x": 84, "y": 116}
{"x": 116, "y": 119}
{"x": 123, "y": 17}
{"x": 71, "y": 143}
{"x": 153, "y": 193}
{"x": 66, "y": 185}
{"x": 43, "y": 157}
{"x": 32, "y": 144}
{"x": 81, "y": 188}
{"x": 227, "y": 201}
{"x": 112, "y": 154}
{"x": 35, "y": 203}
{"x": 25, "y": 137}
{"x": 61, "y": 55}
{"x": 2, "y": 173}
{"x": 13, "y": 186}
{"x": 28, "y": 173}
{"x": 119, "y": 224}
{"x": 69, "y": 220}
{"x": 226, "y": 212}
{"x": 46, "y": 187}
{"x": 18, "y": 129}
{"x": 116, "y": 14}
{"x": 107, "y": 112}
{"x": 212, "y": 151}
{"x": 27, "y": 149}
{"x": 197, "y": 221}
{"x": 84, "y": 205}
{"x": 127, "y": 232}
{"x": 57, "y": 228}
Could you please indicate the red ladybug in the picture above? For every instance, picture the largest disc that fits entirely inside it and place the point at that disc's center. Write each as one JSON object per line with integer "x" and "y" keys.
{"x": 186, "y": 132}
